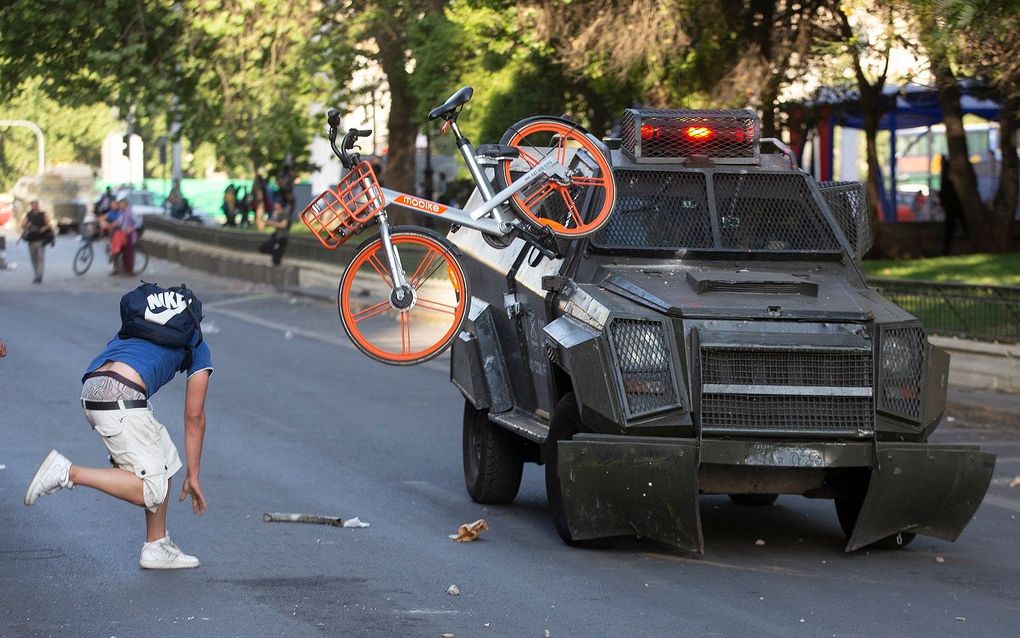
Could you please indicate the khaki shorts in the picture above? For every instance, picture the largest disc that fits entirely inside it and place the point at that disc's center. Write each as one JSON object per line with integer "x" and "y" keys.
{"x": 138, "y": 443}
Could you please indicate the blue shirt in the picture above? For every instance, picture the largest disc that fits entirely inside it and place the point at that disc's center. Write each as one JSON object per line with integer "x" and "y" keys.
{"x": 156, "y": 364}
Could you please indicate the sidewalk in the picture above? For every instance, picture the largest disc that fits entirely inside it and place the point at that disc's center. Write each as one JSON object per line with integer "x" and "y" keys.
{"x": 984, "y": 378}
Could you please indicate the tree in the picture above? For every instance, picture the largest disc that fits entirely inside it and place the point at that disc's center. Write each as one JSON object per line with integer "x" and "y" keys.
{"x": 246, "y": 81}
{"x": 979, "y": 38}
{"x": 866, "y": 34}
{"x": 72, "y": 134}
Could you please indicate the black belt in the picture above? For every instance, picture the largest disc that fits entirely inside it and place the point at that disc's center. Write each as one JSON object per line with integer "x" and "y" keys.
{"x": 128, "y": 404}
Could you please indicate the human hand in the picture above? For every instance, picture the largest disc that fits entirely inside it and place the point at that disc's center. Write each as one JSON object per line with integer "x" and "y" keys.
{"x": 191, "y": 486}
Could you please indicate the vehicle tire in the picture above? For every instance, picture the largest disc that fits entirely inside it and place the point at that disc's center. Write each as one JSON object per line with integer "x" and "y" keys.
{"x": 83, "y": 258}
{"x": 367, "y": 308}
{"x": 570, "y": 210}
{"x": 493, "y": 459}
{"x": 848, "y": 508}
{"x": 754, "y": 499}
{"x": 564, "y": 424}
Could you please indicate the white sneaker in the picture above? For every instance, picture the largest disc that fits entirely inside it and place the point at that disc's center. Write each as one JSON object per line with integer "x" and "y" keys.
{"x": 53, "y": 476}
{"x": 165, "y": 554}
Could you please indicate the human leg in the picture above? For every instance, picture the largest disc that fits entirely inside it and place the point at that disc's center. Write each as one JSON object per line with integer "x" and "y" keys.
{"x": 155, "y": 522}
{"x": 122, "y": 484}
{"x": 159, "y": 552}
{"x": 35, "y": 252}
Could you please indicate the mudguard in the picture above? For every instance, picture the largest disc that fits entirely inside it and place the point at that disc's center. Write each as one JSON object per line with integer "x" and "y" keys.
{"x": 921, "y": 488}
{"x": 628, "y": 486}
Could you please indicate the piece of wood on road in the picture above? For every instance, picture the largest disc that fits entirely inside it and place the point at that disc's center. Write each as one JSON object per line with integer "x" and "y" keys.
{"x": 315, "y": 519}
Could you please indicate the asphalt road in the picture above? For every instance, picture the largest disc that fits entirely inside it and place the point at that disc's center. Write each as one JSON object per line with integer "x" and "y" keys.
{"x": 300, "y": 422}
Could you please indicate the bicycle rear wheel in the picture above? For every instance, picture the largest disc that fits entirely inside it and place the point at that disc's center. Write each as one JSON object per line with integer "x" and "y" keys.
{"x": 141, "y": 259}
{"x": 418, "y": 327}
{"x": 575, "y": 207}
{"x": 83, "y": 258}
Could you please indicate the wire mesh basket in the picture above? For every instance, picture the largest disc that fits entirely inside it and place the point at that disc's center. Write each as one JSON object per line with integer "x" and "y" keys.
{"x": 338, "y": 214}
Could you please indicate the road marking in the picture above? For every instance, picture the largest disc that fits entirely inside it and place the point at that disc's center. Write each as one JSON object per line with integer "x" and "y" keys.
{"x": 237, "y": 300}
{"x": 1005, "y": 503}
{"x": 279, "y": 327}
{"x": 426, "y": 612}
{"x": 440, "y": 363}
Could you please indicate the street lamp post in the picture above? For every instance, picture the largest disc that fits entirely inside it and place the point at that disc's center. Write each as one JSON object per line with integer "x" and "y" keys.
{"x": 38, "y": 137}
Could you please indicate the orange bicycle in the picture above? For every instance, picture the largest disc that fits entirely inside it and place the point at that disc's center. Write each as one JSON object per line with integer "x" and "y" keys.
{"x": 404, "y": 296}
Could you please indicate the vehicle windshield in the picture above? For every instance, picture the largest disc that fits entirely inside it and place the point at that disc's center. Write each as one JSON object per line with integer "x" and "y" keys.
{"x": 750, "y": 211}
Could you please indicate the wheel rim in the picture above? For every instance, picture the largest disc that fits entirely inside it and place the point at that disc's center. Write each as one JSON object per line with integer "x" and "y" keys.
{"x": 573, "y": 209}
{"x": 420, "y": 332}
{"x": 83, "y": 259}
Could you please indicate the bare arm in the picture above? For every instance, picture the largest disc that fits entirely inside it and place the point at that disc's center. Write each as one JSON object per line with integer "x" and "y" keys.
{"x": 194, "y": 434}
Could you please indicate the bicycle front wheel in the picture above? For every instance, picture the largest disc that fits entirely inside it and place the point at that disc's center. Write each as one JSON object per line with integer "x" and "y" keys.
{"x": 83, "y": 258}
{"x": 414, "y": 327}
{"x": 574, "y": 207}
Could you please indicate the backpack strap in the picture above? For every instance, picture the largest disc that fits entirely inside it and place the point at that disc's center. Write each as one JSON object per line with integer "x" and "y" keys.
{"x": 198, "y": 322}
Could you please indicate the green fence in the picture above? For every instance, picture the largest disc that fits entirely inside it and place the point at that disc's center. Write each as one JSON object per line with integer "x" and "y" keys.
{"x": 986, "y": 313}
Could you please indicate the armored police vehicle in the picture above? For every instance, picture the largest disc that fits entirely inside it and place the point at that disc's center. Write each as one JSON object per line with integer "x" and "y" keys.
{"x": 717, "y": 336}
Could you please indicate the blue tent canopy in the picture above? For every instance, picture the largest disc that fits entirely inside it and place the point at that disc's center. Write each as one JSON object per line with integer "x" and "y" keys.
{"x": 908, "y": 106}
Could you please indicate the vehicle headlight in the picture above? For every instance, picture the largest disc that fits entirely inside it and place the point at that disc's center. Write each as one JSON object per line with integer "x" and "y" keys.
{"x": 899, "y": 353}
{"x": 645, "y": 361}
{"x": 903, "y": 362}
{"x": 639, "y": 346}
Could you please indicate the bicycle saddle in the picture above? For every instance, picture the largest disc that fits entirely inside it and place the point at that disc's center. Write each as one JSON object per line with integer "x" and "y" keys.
{"x": 454, "y": 102}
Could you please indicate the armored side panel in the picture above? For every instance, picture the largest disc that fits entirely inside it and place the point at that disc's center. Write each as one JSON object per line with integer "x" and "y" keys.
{"x": 629, "y": 486}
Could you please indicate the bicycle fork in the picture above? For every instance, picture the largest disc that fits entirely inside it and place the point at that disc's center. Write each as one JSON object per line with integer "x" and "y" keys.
{"x": 401, "y": 294}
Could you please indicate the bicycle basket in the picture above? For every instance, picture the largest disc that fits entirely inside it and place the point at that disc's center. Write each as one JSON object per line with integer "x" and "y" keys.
{"x": 338, "y": 214}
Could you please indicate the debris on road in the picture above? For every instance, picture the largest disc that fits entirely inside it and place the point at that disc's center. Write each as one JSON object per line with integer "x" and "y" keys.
{"x": 355, "y": 522}
{"x": 469, "y": 531}
{"x": 276, "y": 517}
{"x": 759, "y": 542}
{"x": 453, "y": 590}
{"x": 961, "y": 618}
{"x": 546, "y": 633}
{"x": 940, "y": 560}
{"x": 1015, "y": 481}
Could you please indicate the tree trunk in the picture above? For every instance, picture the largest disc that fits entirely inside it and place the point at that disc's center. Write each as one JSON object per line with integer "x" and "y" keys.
{"x": 1007, "y": 196}
{"x": 871, "y": 112}
{"x": 961, "y": 172}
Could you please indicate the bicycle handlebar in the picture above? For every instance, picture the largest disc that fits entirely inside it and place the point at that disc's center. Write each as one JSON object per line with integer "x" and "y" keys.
{"x": 348, "y": 142}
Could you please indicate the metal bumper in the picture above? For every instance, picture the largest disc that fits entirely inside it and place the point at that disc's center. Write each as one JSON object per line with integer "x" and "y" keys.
{"x": 648, "y": 486}
{"x": 925, "y": 489}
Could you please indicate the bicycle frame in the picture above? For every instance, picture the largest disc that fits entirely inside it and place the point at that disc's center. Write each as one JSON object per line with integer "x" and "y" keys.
{"x": 499, "y": 223}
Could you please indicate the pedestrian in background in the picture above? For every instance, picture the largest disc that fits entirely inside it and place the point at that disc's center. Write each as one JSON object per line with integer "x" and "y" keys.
{"x": 951, "y": 207}
{"x": 116, "y": 389}
{"x": 37, "y": 230}
{"x": 276, "y": 244}
{"x": 125, "y": 234}
{"x": 230, "y": 208}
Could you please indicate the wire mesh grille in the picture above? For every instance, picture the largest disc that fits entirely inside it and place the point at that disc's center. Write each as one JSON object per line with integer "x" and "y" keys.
{"x": 679, "y": 133}
{"x": 659, "y": 210}
{"x": 765, "y": 211}
{"x": 848, "y": 203}
{"x": 764, "y": 413}
{"x": 844, "y": 369}
{"x": 646, "y": 363}
{"x": 902, "y": 365}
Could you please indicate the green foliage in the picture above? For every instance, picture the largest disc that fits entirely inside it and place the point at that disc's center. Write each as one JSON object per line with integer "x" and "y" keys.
{"x": 71, "y": 133}
{"x": 983, "y": 269}
{"x": 251, "y": 81}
